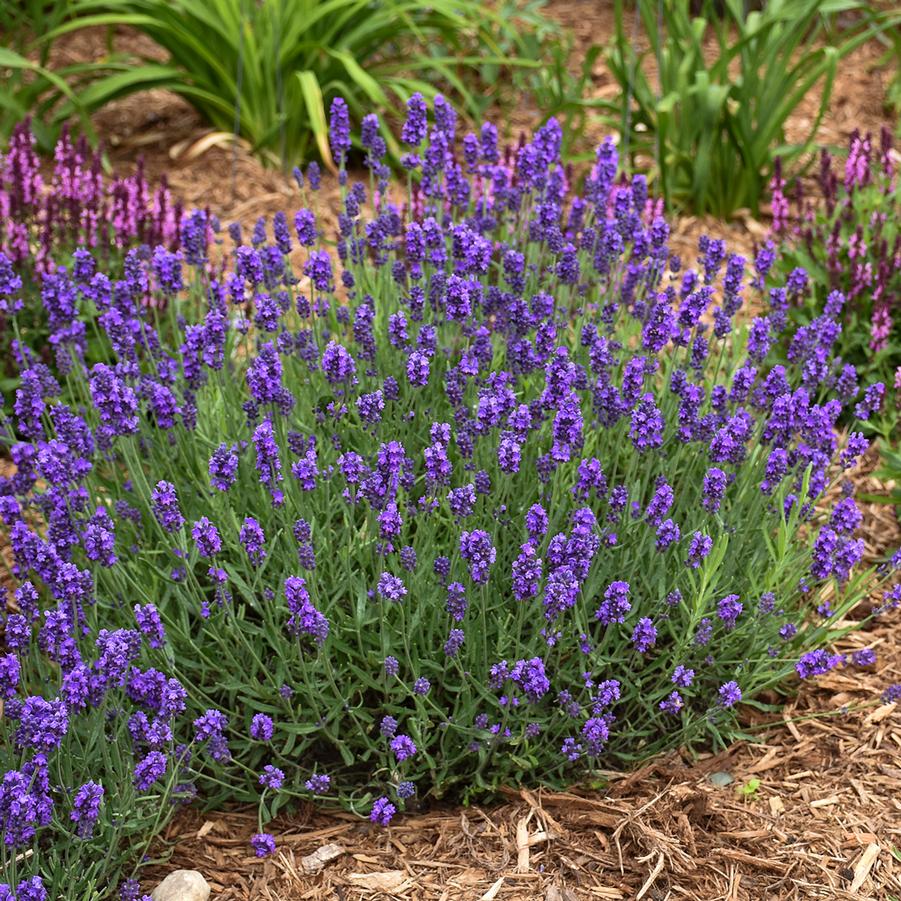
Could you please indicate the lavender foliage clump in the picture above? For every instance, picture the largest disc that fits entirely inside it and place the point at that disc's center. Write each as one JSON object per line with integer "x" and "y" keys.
{"x": 497, "y": 479}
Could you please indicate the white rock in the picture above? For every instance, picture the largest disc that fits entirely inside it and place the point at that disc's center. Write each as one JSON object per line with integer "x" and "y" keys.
{"x": 182, "y": 885}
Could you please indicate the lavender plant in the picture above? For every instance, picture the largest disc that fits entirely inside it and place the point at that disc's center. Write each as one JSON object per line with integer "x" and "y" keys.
{"x": 78, "y": 207}
{"x": 496, "y": 493}
{"x": 89, "y": 758}
{"x": 847, "y": 238}
{"x": 45, "y": 219}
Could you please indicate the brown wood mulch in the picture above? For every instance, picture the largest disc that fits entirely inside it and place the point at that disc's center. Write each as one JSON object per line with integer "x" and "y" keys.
{"x": 824, "y": 819}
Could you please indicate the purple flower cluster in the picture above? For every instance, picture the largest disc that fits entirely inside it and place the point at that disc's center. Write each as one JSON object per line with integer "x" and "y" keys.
{"x": 263, "y": 844}
{"x": 849, "y": 233}
{"x": 86, "y": 808}
{"x": 76, "y": 206}
{"x": 555, "y": 494}
{"x": 476, "y": 548}
{"x": 261, "y": 727}
{"x": 615, "y": 605}
{"x": 305, "y": 620}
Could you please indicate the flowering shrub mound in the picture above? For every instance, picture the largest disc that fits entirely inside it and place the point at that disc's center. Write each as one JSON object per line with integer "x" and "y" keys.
{"x": 848, "y": 239}
{"x": 489, "y": 502}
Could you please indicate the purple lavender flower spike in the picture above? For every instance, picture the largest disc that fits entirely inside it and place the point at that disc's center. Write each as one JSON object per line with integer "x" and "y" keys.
{"x": 263, "y": 844}
{"x": 382, "y": 812}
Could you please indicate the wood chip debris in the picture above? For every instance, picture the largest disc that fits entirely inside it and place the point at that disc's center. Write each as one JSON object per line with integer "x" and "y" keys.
{"x": 658, "y": 869}
{"x": 315, "y": 862}
{"x": 389, "y": 881}
{"x": 864, "y": 865}
{"x": 492, "y": 893}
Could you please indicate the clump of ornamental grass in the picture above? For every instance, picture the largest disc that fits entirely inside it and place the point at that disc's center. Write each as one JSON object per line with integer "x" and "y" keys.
{"x": 847, "y": 238}
{"x": 498, "y": 492}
